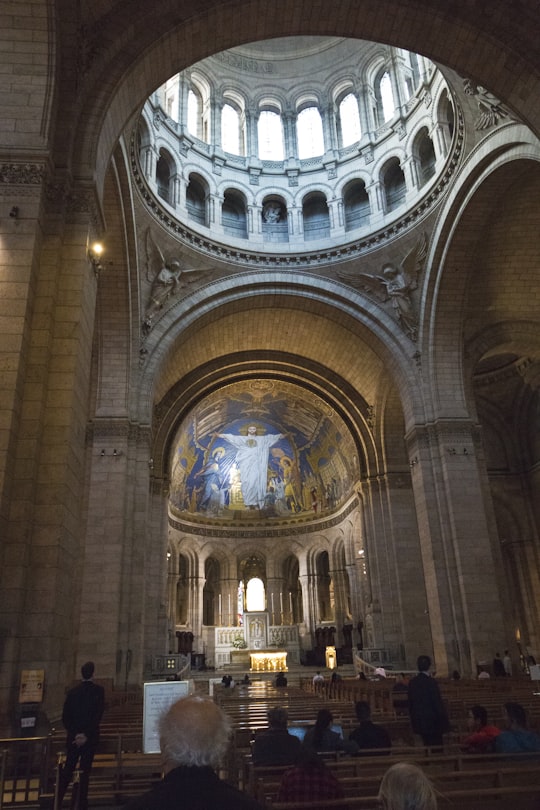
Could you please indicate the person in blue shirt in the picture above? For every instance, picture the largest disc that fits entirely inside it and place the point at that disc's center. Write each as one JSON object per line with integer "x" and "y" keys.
{"x": 517, "y": 738}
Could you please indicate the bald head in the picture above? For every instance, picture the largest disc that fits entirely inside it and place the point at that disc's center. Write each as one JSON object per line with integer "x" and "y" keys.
{"x": 194, "y": 731}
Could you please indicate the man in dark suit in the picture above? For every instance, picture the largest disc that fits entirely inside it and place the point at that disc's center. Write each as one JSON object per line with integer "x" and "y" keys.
{"x": 81, "y": 716}
{"x": 427, "y": 711}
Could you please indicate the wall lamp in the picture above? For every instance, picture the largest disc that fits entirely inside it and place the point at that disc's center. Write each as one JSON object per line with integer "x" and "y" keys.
{"x": 413, "y": 462}
{"x": 454, "y": 452}
{"x": 94, "y": 252}
{"x": 14, "y": 213}
{"x": 115, "y": 453}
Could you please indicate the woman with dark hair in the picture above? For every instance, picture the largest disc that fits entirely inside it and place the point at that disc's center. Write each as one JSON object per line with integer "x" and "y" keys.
{"x": 322, "y": 737}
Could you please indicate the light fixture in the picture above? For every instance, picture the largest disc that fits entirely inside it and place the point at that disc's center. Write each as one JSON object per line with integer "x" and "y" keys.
{"x": 102, "y": 453}
{"x": 413, "y": 462}
{"x": 94, "y": 252}
{"x": 14, "y": 213}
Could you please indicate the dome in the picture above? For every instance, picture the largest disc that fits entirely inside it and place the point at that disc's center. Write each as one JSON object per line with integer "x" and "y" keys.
{"x": 295, "y": 147}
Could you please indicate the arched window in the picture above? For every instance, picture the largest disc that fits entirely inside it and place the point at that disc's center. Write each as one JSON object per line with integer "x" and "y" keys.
{"x": 385, "y": 98}
{"x": 349, "y": 119}
{"x": 410, "y": 72}
{"x": 309, "y": 131}
{"x": 194, "y": 114}
{"x": 425, "y": 155}
{"x": 324, "y": 588}
{"x": 233, "y": 214}
{"x": 164, "y": 171}
{"x": 270, "y": 135}
{"x": 196, "y": 195}
{"x": 182, "y": 591}
{"x": 445, "y": 119}
{"x": 356, "y": 205}
{"x": 211, "y": 606}
{"x": 255, "y": 595}
{"x": 274, "y": 220}
{"x": 316, "y": 217}
{"x": 393, "y": 181}
{"x": 230, "y": 129}
{"x": 170, "y": 97}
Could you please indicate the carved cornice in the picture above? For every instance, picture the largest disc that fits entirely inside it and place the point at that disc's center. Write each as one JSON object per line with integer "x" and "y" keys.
{"x": 116, "y": 428}
{"x": 261, "y": 529}
{"x": 22, "y": 174}
{"x": 440, "y": 433}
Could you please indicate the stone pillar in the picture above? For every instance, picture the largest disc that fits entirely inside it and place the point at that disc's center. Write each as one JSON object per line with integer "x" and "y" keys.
{"x": 309, "y": 600}
{"x": 339, "y": 578}
{"x": 48, "y": 293}
{"x": 457, "y": 553}
{"x": 329, "y": 127}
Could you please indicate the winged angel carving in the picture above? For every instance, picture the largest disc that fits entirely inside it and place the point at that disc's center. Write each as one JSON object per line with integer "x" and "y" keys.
{"x": 396, "y": 285}
{"x": 167, "y": 277}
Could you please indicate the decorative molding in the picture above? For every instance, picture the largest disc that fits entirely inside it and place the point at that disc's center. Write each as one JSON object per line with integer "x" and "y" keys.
{"x": 22, "y": 174}
{"x": 265, "y": 528}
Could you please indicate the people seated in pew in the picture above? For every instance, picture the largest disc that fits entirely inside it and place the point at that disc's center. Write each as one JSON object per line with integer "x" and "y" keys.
{"x": 405, "y": 786}
{"x": 482, "y": 738}
{"x": 281, "y": 680}
{"x": 369, "y": 735}
{"x": 275, "y": 746}
{"x": 400, "y": 701}
{"x": 326, "y": 737}
{"x": 309, "y": 780}
{"x": 194, "y": 737}
{"x": 517, "y": 738}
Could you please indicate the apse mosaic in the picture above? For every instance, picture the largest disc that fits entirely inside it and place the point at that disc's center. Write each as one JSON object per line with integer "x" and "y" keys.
{"x": 263, "y": 446}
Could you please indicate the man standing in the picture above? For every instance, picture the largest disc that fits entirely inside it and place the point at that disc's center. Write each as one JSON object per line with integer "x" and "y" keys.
{"x": 81, "y": 716}
{"x": 194, "y": 737}
{"x": 427, "y": 711}
{"x": 252, "y": 460}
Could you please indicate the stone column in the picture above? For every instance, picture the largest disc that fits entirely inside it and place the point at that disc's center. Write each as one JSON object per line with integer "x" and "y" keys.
{"x": 456, "y": 547}
{"x": 48, "y": 293}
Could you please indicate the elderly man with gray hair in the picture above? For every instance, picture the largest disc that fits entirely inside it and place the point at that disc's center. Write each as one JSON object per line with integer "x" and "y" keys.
{"x": 194, "y": 735}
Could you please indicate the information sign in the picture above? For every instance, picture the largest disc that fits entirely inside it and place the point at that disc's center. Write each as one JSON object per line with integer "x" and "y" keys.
{"x": 158, "y": 697}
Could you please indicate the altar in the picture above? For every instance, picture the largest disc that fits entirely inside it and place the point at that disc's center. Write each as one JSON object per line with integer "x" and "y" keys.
{"x": 268, "y": 661}
{"x": 256, "y": 643}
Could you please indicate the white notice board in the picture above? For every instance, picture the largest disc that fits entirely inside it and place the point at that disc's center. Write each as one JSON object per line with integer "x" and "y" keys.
{"x": 158, "y": 697}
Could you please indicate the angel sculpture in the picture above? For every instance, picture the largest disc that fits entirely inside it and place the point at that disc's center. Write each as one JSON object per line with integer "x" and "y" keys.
{"x": 490, "y": 107}
{"x": 396, "y": 285}
{"x": 170, "y": 277}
